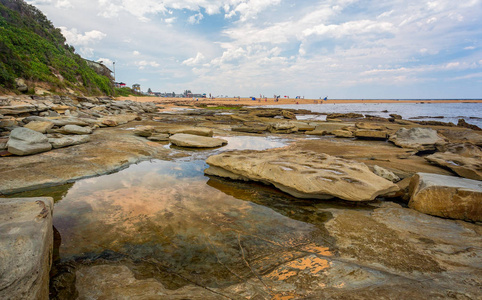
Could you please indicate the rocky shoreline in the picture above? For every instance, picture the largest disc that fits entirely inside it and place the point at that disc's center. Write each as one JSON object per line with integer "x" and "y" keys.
{"x": 431, "y": 167}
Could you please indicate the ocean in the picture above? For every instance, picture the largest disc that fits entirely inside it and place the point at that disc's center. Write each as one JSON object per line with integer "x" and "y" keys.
{"x": 443, "y": 112}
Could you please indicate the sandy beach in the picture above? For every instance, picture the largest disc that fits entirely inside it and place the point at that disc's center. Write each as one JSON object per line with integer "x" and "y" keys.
{"x": 169, "y": 102}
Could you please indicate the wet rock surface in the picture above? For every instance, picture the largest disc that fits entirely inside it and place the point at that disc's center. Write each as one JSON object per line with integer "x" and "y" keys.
{"x": 26, "y": 243}
{"x": 302, "y": 174}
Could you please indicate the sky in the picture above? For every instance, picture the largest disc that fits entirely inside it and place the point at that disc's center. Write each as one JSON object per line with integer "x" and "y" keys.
{"x": 362, "y": 49}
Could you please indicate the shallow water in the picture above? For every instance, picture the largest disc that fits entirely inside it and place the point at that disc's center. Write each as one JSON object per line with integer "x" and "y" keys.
{"x": 451, "y": 112}
{"x": 168, "y": 215}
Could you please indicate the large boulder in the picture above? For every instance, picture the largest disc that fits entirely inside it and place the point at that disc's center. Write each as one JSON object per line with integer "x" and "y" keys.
{"x": 196, "y": 141}
{"x": 446, "y": 196}
{"x": 302, "y": 174}
{"x": 468, "y": 167}
{"x": 421, "y": 139}
{"x": 24, "y": 141}
{"x": 26, "y": 244}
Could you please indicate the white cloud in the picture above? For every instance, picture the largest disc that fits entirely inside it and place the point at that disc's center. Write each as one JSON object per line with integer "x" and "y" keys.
{"x": 144, "y": 63}
{"x": 78, "y": 39}
{"x": 195, "y": 19}
{"x": 136, "y": 53}
{"x": 194, "y": 60}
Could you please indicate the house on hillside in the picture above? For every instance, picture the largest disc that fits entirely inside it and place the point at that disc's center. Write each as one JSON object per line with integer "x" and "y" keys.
{"x": 136, "y": 87}
{"x": 119, "y": 84}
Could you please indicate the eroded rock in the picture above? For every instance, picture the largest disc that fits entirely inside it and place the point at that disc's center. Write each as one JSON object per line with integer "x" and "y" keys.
{"x": 468, "y": 167}
{"x": 302, "y": 174}
{"x": 65, "y": 141}
{"x": 24, "y": 141}
{"x": 196, "y": 141}
{"x": 421, "y": 139}
{"x": 26, "y": 244}
{"x": 40, "y": 126}
{"x": 446, "y": 196}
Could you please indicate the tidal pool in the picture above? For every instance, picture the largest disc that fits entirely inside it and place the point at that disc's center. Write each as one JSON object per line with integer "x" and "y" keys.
{"x": 191, "y": 228}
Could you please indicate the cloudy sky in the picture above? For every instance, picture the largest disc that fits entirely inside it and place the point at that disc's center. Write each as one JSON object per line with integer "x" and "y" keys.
{"x": 335, "y": 48}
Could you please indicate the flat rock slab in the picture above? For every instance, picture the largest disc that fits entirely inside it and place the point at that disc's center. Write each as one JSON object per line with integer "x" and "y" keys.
{"x": 468, "y": 167}
{"x": 26, "y": 244}
{"x": 193, "y": 130}
{"x": 196, "y": 141}
{"x": 302, "y": 174}
{"x": 421, "y": 139}
{"x": 446, "y": 196}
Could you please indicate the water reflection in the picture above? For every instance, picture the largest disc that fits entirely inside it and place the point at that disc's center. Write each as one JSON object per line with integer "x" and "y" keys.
{"x": 165, "y": 213}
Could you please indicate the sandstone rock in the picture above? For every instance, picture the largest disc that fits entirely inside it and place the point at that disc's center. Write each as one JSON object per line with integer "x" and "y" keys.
{"x": 463, "y": 123}
{"x": 66, "y": 141}
{"x": 193, "y": 130}
{"x": 288, "y": 115}
{"x": 462, "y": 136}
{"x": 369, "y": 126}
{"x": 317, "y": 131}
{"x": 144, "y": 131}
{"x": 74, "y": 129}
{"x": 446, "y": 196}
{"x": 8, "y": 122}
{"x": 384, "y": 173}
{"x": 251, "y": 128}
{"x": 196, "y": 141}
{"x": 159, "y": 137}
{"x": 40, "y": 126}
{"x": 120, "y": 119}
{"x": 343, "y": 133}
{"x": 302, "y": 126}
{"x": 24, "y": 141}
{"x": 110, "y": 123}
{"x": 468, "y": 167}
{"x": 283, "y": 128}
{"x": 344, "y": 116}
{"x": 3, "y": 143}
{"x": 371, "y": 134}
{"x": 396, "y": 117}
{"x": 330, "y": 127}
{"x": 26, "y": 245}
{"x": 17, "y": 109}
{"x": 421, "y": 139}
{"x": 302, "y": 174}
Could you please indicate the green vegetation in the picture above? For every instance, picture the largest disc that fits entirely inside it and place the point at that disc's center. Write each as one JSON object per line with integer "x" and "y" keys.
{"x": 123, "y": 92}
{"x": 33, "y": 49}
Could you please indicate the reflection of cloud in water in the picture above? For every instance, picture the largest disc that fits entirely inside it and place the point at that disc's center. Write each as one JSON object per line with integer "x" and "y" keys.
{"x": 154, "y": 204}
{"x": 253, "y": 143}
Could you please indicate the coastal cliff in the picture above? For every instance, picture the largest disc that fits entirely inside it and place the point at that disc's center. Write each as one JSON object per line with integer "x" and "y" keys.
{"x": 35, "y": 59}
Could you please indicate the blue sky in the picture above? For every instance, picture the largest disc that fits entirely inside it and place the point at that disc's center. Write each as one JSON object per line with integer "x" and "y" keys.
{"x": 340, "y": 49}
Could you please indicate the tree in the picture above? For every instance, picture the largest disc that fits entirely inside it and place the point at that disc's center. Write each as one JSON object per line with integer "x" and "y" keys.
{"x": 149, "y": 90}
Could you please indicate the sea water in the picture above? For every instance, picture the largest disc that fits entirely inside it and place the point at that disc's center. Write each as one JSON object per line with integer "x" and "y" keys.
{"x": 444, "y": 112}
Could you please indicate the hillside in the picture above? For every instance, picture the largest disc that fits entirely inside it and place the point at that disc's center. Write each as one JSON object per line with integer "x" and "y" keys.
{"x": 33, "y": 49}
